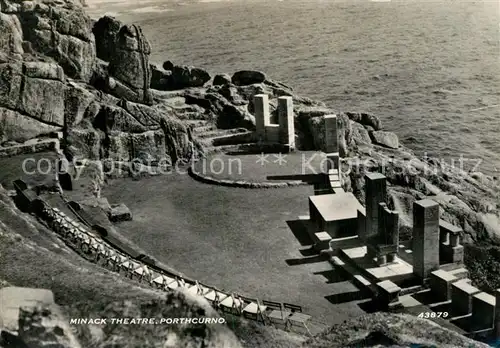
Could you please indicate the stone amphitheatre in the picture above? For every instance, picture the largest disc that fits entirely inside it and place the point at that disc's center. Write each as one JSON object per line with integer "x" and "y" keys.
{"x": 224, "y": 197}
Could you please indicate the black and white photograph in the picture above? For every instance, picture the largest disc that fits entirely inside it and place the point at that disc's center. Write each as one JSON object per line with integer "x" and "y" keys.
{"x": 249, "y": 173}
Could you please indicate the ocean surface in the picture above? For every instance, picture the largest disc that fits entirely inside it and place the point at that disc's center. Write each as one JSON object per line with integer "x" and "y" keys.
{"x": 429, "y": 69}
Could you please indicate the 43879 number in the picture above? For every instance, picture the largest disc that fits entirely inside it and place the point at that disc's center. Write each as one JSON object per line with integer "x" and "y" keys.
{"x": 428, "y": 315}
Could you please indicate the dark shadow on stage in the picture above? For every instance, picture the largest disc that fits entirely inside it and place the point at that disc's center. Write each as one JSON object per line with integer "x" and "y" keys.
{"x": 308, "y": 252}
{"x": 300, "y": 232}
{"x": 370, "y": 306}
{"x": 333, "y": 276}
{"x": 344, "y": 297}
{"x": 307, "y": 178}
{"x": 306, "y": 260}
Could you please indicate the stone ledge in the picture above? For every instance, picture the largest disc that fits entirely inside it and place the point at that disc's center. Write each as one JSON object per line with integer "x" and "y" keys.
{"x": 242, "y": 183}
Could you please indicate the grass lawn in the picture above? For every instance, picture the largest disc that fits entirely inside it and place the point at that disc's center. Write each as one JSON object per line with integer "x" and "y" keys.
{"x": 255, "y": 168}
{"x": 235, "y": 239}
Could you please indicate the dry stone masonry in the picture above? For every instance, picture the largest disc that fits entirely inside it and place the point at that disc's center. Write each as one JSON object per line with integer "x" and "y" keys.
{"x": 282, "y": 133}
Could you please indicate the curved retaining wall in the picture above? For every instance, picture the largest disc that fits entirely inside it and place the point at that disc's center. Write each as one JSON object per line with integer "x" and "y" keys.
{"x": 242, "y": 183}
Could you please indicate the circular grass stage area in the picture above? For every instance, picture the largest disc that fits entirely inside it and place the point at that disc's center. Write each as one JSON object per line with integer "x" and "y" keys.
{"x": 269, "y": 169}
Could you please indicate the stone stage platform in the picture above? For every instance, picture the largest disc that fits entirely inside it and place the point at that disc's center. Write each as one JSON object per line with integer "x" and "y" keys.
{"x": 397, "y": 271}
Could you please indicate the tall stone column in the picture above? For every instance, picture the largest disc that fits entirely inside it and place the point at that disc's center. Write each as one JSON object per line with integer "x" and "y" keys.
{"x": 286, "y": 121}
{"x": 376, "y": 193}
{"x": 425, "y": 237}
{"x": 331, "y": 136}
{"x": 262, "y": 116}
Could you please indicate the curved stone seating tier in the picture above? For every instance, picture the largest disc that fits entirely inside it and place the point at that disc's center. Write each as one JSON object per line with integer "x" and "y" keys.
{"x": 105, "y": 255}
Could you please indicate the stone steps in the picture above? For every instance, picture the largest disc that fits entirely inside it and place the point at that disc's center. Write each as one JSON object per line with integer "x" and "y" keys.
{"x": 357, "y": 278}
{"x": 359, "y": 270}
{"x": 227, "y": 148}
{"x": 204, "y": 128}
{"x": 216, "y": 133}
{"x": 229, "y": 139}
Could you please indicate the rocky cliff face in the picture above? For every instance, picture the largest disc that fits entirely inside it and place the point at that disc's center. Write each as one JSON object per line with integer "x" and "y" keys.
{"x": 51, "y": 80}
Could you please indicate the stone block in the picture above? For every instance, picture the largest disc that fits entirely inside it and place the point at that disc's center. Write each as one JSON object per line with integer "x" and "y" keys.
{"x": 333, "y": 162}
{"x": 497, "y": 314}
{"x": 272, "y": 133}
{"x": 388, "y": 293}
{"x": 461, "y": 297}
{"x": 483, "y": 311}
{"x": 322, "y": 241}
{"x": 120, "y": 212}
{"x": 440, "y": 283}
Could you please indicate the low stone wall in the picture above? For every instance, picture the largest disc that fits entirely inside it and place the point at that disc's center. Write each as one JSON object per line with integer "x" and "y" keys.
{"x": 242, "y": 183}
{"x": 21, "y": 149}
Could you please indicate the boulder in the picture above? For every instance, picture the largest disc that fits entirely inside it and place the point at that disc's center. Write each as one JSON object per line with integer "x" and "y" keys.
{"x": 188, "y": 76}
{"x": 43, "y": 70}
{"x": 250, "y": 91}
{"x": 84, "y": 143}
{"x": 387, "y": 139}
{"x": 365, "y": 119}
{"x": 11, "y": 35}
{"x": 44, "y": 326}
{"x": 37, "y": 93}
{"x": 129, "y": 66}
{"x": 222, "y": 79}
{"x": 105, "y": 31}
{"x": 168, "y": 65}
{"x": 389, "y": 330}
{"x": 61, "y": 31}
{"x": 360, "y": 134}
{"x": 20, "y": 128}
{"x": 316, "y": 128}
{"x": 119, "y": 212}
{"x": 79, "y": 103}
{"x": 230, "y": 92}
{"x": 160, "y": 79}
{"x": 226, "y": 114}
{"x": 248, "y": 77}
{"x": 43, "y": 100}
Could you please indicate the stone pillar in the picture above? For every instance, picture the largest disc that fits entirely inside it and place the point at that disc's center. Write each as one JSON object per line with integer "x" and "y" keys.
{"x": 382, "y": 220}
{"x": 381, "y": 260}
{"x": 388, "y": 225}
{"x": 391, "y": 257}
{"x": 286, "y": 122}
{"x": 393, "y": 227}
{"x": 444, "y": 237}
{"x": 376, "y": 192}
{"x": 454, "y": 240}
{"x": 262, "y": 115}
{"x": 332, "y": 162}
{"x": 331, "y": 137}
{"x": 425, "y": 237}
